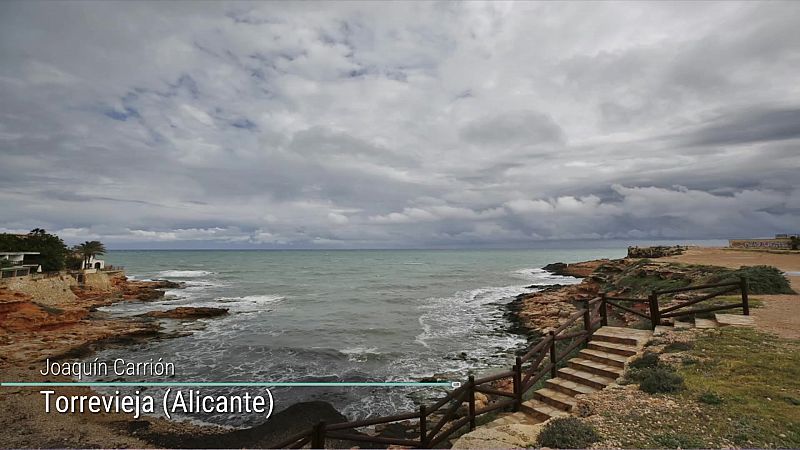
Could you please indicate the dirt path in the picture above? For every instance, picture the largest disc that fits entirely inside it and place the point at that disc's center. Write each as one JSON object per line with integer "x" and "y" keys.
{"x": 780, "y": 313}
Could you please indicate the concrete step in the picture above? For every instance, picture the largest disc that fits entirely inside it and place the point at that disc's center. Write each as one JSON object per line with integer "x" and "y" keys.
{"x": 595, "y": 367}
{"x": 611, "y": 359}
{"x": 555, "y": 399}
{"x": 540, "y": 410}
{"x": 569, "y": 387}
{"x": 610, "y": 347}
{"x": 705, "y": 323}
{"x": 682, "y": 324}
{"x": 619, "y": 335}
{"x": 661, "y": 329}
{"x": 585, "y": 378}
{"x": 512, "y": 418}
{"x": 735, "y": 320}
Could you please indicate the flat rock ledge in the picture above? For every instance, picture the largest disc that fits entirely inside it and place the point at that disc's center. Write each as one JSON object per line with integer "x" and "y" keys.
{"x": 514, "y": 435}
{"x": 188, "y": 312}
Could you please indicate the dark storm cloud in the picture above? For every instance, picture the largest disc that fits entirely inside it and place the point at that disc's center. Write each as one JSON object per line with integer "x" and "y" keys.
{"x": 400, "y": 124}
{"x": 750, "y": 127}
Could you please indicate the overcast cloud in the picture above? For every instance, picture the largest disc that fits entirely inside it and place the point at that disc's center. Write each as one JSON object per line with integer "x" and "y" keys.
{"x": 398, "y": 124}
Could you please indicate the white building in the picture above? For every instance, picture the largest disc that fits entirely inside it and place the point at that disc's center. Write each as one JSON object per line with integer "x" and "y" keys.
{"x": 12, "y": 264}
{"x": 95, "y": 263}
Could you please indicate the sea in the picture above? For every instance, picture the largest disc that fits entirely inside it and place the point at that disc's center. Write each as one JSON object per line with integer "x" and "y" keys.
{"x": 360, "y": 315}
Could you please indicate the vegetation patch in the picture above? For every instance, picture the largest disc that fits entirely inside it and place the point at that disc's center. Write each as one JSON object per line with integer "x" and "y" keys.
{"x": 659, "y": 380}
{"x": 677, "y": 440}
{"x": 760, "y": 279}
{"x": 567, "y": 432}
{"x": 741, "y": 390}
{"x": 710, "y": 398}
{"x": 674, "y": 347}
{"x": 757, "y": 375}
{"x": 647, "y": 360}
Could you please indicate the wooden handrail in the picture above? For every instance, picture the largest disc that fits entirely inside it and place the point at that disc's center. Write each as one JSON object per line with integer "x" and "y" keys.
{"x": 694, "y": 288}
{"x": 630, "y": 310}
{"x": 536, "y": 348}
{"x": 569, "y": 322}
{"x": 289, "y": 441}
{"x": 537, "y": 376}
{"x": 448, "y": 414}
{"x": 574, "y": 334}
{"x": 497, "y": 405}
{"x": 569, "y": 349}
{"x": 452, "y": 429}
{"x": 375, "y": 421}
{"x": 299, "y": 444}
{"x": 628, "y": 299}
{"x": 429, "y": 437}
{"x": 594, "y": 301}
{"x": 367, "y": 438}
{"x": 450, "y": 396}
{"x": 704, "y": 310}
{"x": 495, "y": 377}
{"x": 491, "y": 391}
{"x": 699, "y": 299}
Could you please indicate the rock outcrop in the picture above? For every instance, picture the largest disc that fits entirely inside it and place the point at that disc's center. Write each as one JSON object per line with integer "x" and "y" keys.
{"x": 655, "y": 252}
{"x": 578, "y": 270}
{"x": 188, "y": 312}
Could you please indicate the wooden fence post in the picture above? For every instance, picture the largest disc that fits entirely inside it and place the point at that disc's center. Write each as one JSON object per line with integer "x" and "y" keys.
{"x": 423, "y": 427}
{"x": 745, "y": 299}
{"x": 517, "y": 384}
{"x": 471, "y": 399}
{"x": 603, "y": 310}
{"x": 553, "y": 371}
{"x": 655, "y": 316}
{"x": 318, "y": 436}
{"x": 587, "y": 322}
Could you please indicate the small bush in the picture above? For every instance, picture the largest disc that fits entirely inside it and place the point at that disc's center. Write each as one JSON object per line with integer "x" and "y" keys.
{"x": 659, "y": 380}
{"x": 674, "y": 440}
{"x": 710, "y": 398}
{"x": 567, "y": 432}
{"x": 649, "y": 359}
{"x": 761, "y": 280}
{"x": 689, "y": 361}
{"x": 678, "y": 347}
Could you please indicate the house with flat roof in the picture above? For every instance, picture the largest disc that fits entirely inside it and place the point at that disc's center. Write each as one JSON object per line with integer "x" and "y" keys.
{"x": 13, "y": 264}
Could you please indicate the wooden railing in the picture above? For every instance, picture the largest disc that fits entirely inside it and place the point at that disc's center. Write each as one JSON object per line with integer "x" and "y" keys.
{"x": 439, "y": 421}
{"x": 654, "y": 313}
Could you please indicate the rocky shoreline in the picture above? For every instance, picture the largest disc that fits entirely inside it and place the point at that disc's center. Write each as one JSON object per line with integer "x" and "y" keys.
{"x": 32, "y": 329}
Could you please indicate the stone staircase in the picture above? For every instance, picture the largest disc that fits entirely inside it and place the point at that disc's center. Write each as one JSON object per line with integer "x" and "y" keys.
{"x": 595, "y": 367}
{"x": 719, "y": 320}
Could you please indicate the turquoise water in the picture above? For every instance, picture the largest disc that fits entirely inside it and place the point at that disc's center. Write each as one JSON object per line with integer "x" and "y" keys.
{"x": 366, "y": 315}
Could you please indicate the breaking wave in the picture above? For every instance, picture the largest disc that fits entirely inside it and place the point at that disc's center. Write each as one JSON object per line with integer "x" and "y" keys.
{"x": 184, "y": 273}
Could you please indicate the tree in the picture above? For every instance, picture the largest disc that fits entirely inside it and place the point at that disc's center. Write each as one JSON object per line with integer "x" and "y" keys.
{"x": 89, "y": 250}
{"x": 50, "y": 247}
{"x": 794, "y": 242}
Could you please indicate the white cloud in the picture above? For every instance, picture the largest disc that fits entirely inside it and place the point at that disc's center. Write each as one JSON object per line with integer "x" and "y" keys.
{"x": 398, "y": 124}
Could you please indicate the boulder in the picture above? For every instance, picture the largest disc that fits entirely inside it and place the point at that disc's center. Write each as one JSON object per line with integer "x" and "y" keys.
{"x": 187, "y": 312}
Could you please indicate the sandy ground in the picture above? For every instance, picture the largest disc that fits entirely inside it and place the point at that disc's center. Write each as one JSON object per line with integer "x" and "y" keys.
{"x": 780, "y": 313}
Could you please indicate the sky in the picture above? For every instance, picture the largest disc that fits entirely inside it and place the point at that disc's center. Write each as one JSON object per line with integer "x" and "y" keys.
{"x": 392, "y": 124}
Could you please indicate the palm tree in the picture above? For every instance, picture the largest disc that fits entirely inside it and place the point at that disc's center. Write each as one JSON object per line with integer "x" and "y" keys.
{"x": 89, "y": 250}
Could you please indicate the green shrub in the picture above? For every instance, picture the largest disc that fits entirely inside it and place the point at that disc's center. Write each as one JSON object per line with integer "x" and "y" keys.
{"x": 567, "y": 432}
{"x": 760, "y": 279}
{"x": 710, "y": 398}
{"x": 678, "y": 347}
{"x": 675, "y": 440}
{"x": 689, "y": 361}
{"x": 649, "y": 359}
{"x": 660, "y": 379}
